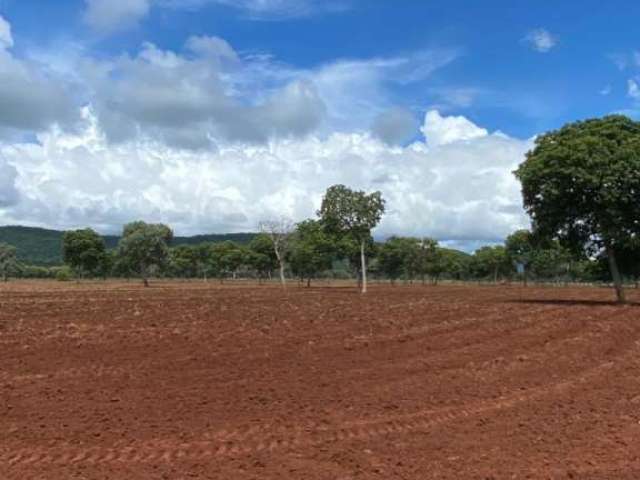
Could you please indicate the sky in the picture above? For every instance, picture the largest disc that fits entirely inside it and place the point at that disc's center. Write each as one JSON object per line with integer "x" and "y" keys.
{"x": 213, "y": 115}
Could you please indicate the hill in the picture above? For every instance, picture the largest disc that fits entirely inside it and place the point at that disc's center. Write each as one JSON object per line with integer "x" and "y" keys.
{"x": 41, "y": 246}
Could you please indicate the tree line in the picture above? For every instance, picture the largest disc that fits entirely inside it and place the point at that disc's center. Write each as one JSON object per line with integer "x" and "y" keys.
{"x": 580, "y": 186}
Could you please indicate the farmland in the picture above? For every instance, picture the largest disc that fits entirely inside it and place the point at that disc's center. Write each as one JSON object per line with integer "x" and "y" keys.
{"x": 109, "y": 380}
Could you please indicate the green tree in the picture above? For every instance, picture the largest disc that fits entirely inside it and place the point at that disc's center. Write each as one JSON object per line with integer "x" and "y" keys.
{"x": 520, "y": 249}
{"x": 8, "y": 261}
{"x": 581, "y": 185}
{"x": 491, "y": 262}
{"x": 354, "y": 214}
{"x": 227, "y": 258}
{"x": 184, "y": 261}
{"x": 312, "y": 250}
{"x": 144, "y": 247}
{"x": 84, "y": 252}
{"x": 262, "y": 257}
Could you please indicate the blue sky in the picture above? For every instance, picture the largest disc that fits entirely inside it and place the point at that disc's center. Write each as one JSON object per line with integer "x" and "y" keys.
{"x": 513, "y": 87}
{"x": 238, "y": 91}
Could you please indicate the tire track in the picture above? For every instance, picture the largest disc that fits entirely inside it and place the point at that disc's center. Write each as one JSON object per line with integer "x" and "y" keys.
{"x": 256, "y": 440}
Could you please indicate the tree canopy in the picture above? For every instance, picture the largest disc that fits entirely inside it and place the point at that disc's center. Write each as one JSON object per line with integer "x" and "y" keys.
{"x": 581, "y": 185}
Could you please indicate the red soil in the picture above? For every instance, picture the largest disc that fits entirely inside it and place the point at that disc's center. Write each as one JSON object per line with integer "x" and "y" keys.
{"x": 182, "y": 381}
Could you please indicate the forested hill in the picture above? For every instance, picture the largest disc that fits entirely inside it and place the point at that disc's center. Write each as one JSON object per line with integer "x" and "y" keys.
{"x": 40, "y": 246}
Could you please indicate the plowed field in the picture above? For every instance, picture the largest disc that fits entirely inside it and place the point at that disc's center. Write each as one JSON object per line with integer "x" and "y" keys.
{"x": 202, "y": 381}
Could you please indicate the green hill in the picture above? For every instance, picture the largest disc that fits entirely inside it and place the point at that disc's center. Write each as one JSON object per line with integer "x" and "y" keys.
{"x": 40, "y": 246}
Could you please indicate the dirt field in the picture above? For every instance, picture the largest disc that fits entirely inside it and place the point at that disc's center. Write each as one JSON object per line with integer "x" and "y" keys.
{"x": 184, "y": 381}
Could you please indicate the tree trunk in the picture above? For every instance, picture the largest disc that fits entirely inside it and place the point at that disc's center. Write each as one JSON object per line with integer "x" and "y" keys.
{"x": 495, "y": 275}
{"x": 309, "y": 282}
{"x": 615, "y": 275}
{"x": 363, "y": 264}
{"x": 283, "y": 280}
{"x": 524, "y": 276}
{"x": 145, "y": 281}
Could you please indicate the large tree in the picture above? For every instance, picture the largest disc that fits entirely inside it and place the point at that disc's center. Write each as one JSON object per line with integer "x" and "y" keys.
{"x": 145, "y": 246}
{"x": 8, "y": 260}
{"x": 354, "y": 214}
{"x": 84, "y": 251}
{"x": 581, "y": 185}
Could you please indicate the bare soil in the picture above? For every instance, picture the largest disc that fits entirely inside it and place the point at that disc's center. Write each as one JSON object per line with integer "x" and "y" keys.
{"x": 201, "y": 381}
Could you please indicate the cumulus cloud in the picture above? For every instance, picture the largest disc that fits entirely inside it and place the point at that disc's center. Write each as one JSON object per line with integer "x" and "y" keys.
{"x": 395, "y": 126}
{"x": 440, "y": 130}
{"x": 32, "y": 98}
{"x": 8, "y": 191}
{"x": 107, "y": 16}
{"x": 458, "y": 189}
{"x": 195, "y": 101}
{"x": 540, "y": 40}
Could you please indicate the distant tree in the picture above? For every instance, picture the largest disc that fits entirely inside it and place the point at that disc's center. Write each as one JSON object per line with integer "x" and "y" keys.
{"x": 262, "y": 256}
{"x": 312, "y": 250}
{"x": 455, "y": 263}
{"x": 520, "y": 247}
{"x": 143, "y": 247}
{"x": 354, "y": 214}
{"x": 184, "y": 261}
{"x": 491, "y": 262}
{"x": 84, "y": 252}
{"x": 393, "y": 257}
{"x": 8, "y": 261}
{"x": 550, "y": 261}
{"x": 227, "y": 258}
{"x": 279, "y": 231}
{"x": 581, "y": 185}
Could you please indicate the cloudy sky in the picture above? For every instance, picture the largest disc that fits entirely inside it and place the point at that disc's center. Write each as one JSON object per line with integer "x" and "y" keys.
{"x": 212, "y": 115}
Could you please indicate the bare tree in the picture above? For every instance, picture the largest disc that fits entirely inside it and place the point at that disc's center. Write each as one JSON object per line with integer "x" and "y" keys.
{"x": 280, "y": 232}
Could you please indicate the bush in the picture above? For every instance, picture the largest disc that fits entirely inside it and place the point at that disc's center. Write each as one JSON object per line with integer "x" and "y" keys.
{"x": 64, "y": 274}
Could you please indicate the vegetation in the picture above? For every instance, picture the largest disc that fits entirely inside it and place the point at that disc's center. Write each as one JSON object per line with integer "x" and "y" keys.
{"x": 581, "y": 186}
{"x": 352, "y": 214}
{"x": 85, "y": 252}
{"x": 145, "y": 247}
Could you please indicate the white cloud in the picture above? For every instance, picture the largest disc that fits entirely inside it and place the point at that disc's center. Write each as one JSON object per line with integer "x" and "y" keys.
{"x": 540, "y": 40}
{"x": 6, "y": 39}
{"x": 459, "y": 187}
{"x": 107, "y": 16}
{"x": 32, "y": 97}
{"x": 440, "y": 130}
{"x": 395, "y": 126}
{"x": 633, "y": 89}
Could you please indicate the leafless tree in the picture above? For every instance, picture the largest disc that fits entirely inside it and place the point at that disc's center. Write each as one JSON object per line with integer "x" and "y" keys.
{"x": 280, "y": 232}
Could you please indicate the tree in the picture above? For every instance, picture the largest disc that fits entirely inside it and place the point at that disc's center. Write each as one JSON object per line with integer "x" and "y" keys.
{"x": 84, "y": 251}
{"x": 227, "y": 258}
{"x": 392, "y": 258}
{"x": 262, "y": 257}
{"x": 144, "y": 246}
{"x": 8, "y": 260}
{"x": 520, "y": 249}
{"x": 312, "y": 250}
{"x": 354, "y": 214}
{"x": 279, "y": 231}
{"x": 490, "y": 262}
{"x": 581, "y": 185}
{"x": 184, "y": 261}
